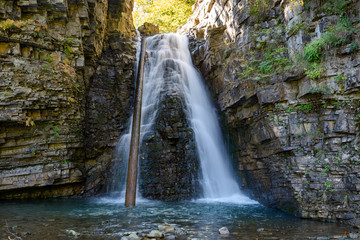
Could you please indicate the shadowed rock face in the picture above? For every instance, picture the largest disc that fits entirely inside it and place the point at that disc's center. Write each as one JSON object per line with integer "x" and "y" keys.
{"x": 296, "y": 139}
{"x": 49, "y": 52}
{"x": 169, "y": 166}
{"x": 108, "y": 108}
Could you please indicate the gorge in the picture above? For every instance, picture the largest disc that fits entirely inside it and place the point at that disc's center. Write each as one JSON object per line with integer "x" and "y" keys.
{"x": 284, "y": 76}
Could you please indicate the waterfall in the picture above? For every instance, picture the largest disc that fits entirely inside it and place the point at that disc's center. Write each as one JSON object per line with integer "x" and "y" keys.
{"x": 169, "y": 69}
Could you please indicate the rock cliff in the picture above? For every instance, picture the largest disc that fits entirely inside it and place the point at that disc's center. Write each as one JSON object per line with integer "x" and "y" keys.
{"x": 57, "y": 59}
{"x": 285, "y": 75}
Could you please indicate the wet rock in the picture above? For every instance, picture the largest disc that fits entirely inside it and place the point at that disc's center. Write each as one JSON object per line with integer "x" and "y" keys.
{"x": 167, "y": 228}
{"x": 224, "y": 231}
{"x": 131, "y": 236}
{"x": 169, "y": 164}
{"x": 180, "y": 234}
{"x": 155, "y": 234}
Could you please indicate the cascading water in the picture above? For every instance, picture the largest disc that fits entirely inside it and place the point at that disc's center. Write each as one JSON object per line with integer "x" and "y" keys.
{"x": 169, "y": 70}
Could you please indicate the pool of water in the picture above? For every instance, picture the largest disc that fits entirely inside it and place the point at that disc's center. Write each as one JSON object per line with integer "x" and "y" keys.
{"x": 104, "y": 218}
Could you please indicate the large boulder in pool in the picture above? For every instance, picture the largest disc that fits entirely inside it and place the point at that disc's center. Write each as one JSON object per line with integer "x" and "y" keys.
{"x": 169, "y": 166}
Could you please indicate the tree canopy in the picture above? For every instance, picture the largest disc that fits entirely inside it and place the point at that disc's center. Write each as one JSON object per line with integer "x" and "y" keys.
{"x": 167, "y": 14}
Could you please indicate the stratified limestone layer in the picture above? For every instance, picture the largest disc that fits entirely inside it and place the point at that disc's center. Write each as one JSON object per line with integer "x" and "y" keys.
{"x": 49, "y": 52}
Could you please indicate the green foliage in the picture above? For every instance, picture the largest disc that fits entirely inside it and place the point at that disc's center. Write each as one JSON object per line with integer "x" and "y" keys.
{"x": 274, "y": 61}
{"x": 335, "y": 7}
{"x": 314, "y": 50}
{"x": 68, "y": 50}
{"x": 354, "y": 46}
{"x": 314, "y": 70}
{"x": 328, "y": 186}
{"x": 48, "y": 58}
{"x": 77, "y": 87}
{"x": 339, "y": 78}
{"x": 167, "y": 14}
{"x": 56, "y": 131}
{"x": 296, "y": 27}
{"x": 304, "y": 107}
{"x": 307, "y": 6}
{"x": 257, "y": 7}
{"x": 325, "y": 170}
{"x": 340, "y": 34}
{"x": 344, "y": 32}
{"x": 357, "y": 118}
{"x": 314, "y": 90}
{"x": 336, "y": 103}
{"x": 9, "y": 23}
{"x": 67, "y": 42}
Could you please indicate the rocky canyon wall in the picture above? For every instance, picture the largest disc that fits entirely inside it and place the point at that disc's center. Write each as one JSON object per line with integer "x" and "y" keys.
{"x": 63, "y": 64}
{"x": 285, "y": 75}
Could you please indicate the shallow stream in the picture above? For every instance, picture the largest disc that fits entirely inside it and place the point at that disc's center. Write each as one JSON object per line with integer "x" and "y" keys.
{"x": 104, "y": 218}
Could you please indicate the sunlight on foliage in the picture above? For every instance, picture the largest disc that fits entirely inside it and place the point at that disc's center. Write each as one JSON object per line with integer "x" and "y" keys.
{"x": 167, "y": 14}
{"x": 295, "y": 3}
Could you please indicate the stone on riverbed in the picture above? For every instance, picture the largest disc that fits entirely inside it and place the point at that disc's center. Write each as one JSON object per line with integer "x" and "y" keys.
{"x": 155, "y": 234}
{"x": 224, "y": 231}
{"x": 167, "y": 228}
{"x": 180, "y": 234}
{"x": 131, "y": 236}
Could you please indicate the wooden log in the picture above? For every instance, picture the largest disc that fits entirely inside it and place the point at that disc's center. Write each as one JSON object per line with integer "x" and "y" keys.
{"x": 131, "y": 182}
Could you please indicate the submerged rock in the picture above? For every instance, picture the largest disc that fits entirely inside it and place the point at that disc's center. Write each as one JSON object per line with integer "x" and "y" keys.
{"x": 180, "y": 234}
{"x": 155, "y": 234}
{"x": 167, "y": 228}
{"x": 131, "y": 236}
{"x": 224, "y": 231}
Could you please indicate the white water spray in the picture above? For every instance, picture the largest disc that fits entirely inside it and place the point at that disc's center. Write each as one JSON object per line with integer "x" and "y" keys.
{"x": 169, "y": 69}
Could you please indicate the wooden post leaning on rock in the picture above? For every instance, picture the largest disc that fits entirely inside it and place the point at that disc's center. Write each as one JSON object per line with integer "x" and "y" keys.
{"x": 131, "y": 182}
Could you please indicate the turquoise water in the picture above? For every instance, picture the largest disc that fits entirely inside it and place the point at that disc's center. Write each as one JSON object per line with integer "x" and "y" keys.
{"x": 109, "y": 219}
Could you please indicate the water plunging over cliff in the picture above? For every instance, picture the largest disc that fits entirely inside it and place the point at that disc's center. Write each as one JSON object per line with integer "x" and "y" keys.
{"x": 169, "y": 72}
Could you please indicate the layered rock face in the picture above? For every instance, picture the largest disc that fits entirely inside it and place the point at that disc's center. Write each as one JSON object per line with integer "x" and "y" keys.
{"x": 169, "y": 166}
{"x": 108, "y": 106}
{"x": 48, "y": 56}
{"x": 285, "y": 75}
